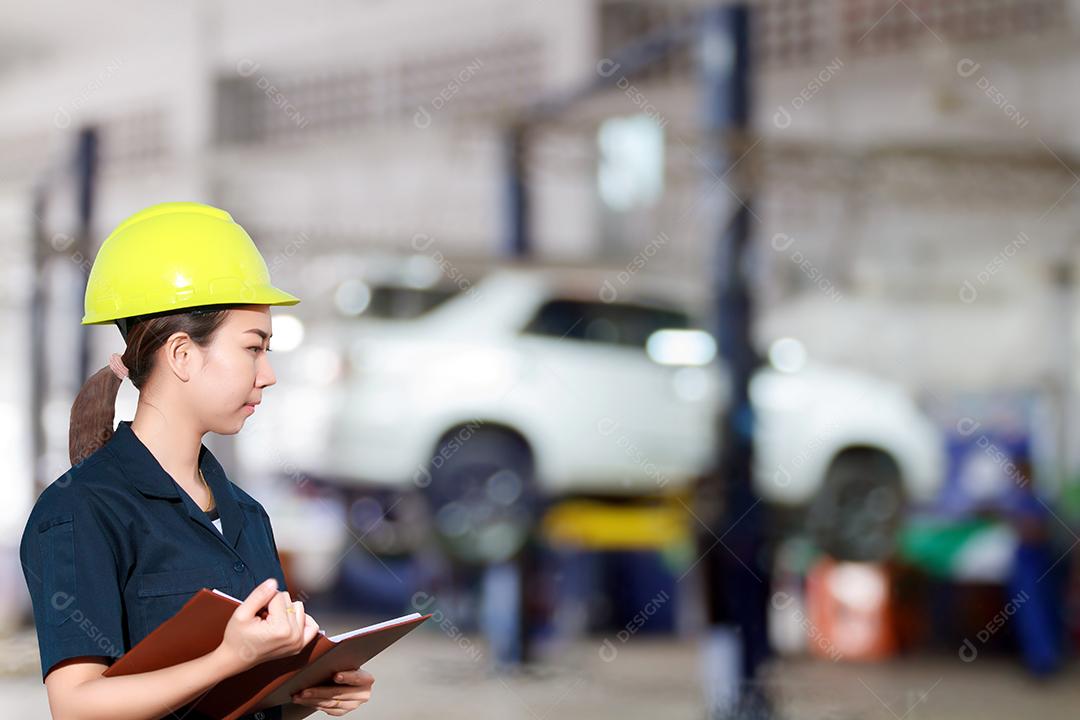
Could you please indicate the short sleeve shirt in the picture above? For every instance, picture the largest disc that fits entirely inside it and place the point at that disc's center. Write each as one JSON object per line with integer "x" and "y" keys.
{"x": 114, "y": 547}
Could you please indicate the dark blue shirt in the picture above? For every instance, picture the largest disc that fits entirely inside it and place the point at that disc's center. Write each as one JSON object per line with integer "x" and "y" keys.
{"x": 114, "y": 547}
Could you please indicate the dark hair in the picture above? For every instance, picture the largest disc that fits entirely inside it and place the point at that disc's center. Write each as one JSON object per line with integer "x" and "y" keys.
{"x": 91, "y": 423}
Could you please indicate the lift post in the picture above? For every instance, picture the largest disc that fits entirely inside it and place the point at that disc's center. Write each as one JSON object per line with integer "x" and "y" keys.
{"x": 737, "y": 573}
{"x": 737, "y": 579}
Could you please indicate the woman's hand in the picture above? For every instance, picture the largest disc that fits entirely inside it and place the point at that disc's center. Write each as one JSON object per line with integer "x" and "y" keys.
{"x": 250, "y": 640}
{"x": 353, "y": 690}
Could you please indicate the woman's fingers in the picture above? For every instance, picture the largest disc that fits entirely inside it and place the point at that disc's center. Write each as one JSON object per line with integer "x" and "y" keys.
{"x": 357, "y": 678}
{"x": 290, "y": 612}
{"x": 298, "y": 615}
{"x": 301, "y": 623}
{"x": 257, "y": 599}
{"x": 275, "y": 609}
{"x": 331, "y": 694}
{"x": 311, "y": 628}
{"x": 332, "y": 707}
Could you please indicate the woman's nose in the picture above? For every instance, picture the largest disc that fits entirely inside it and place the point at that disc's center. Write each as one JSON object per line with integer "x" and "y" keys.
{"x": 266, "y": 375}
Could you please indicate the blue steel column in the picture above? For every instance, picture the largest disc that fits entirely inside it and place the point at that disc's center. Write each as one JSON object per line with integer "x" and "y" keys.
{"x": 505, "y": 586}
{"x": 85, "y": 174}
{"x": 738, "y": 583}
{"x": 516, "y": 239}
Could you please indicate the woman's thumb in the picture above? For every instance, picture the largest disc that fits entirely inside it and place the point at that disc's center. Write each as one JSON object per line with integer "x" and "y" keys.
{"x": 258, "y": 599}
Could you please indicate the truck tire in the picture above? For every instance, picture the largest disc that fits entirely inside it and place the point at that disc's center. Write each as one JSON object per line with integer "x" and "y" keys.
{"x": 481, "y": 495}
{"x": 857, "y": 514}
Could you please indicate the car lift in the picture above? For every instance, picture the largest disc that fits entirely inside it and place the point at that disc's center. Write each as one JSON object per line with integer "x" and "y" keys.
{"x": 737, "y": 580}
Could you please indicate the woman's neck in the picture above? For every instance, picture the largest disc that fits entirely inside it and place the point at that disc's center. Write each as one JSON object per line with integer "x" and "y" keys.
{"x": 175, "y": 447}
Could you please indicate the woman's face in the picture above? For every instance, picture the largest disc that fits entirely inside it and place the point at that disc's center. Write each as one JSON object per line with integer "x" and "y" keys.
{"x": 235, "y": 370}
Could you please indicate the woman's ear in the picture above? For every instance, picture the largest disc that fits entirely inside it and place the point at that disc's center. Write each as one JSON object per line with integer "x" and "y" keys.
{"x": 179, "y": 352}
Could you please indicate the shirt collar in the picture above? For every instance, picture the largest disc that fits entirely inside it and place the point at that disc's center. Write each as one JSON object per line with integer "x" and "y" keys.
{"x": 145, "y": 472}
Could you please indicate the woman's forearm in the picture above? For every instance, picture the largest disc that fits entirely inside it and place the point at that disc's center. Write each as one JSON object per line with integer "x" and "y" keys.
{"x": 146, "y": 696}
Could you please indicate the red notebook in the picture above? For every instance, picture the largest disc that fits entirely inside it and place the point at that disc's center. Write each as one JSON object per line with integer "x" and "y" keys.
{"x": 198, "y": 628}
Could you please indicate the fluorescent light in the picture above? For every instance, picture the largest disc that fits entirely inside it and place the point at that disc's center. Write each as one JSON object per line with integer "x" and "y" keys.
{"x": 288, "y": 333}
{"x": 681, "y": 347}
{"x": 787, "y": 355}
{"x": 352, "y": 297}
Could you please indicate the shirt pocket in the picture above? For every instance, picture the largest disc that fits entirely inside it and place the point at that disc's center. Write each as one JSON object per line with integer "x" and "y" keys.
{"x": 58, "y": 545}
{"x": 161, "y": 594}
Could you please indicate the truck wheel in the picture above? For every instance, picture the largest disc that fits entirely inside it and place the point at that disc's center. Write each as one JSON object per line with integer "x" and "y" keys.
{"x": 857, "y": 514}
{"x": 481, "y": 495}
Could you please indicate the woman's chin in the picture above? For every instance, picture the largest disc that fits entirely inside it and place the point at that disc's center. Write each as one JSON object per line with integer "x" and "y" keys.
{"x": 230, "y": 426}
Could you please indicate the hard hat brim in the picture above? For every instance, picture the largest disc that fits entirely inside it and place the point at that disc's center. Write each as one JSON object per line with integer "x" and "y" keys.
{"x": 263, "y": 296}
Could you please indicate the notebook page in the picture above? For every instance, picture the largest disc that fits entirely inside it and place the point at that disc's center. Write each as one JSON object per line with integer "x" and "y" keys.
{"x": 371, "y": 628}
{"x": 227, "y": 595}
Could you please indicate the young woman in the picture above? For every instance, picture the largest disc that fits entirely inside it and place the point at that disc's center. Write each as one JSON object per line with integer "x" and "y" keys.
{"x": 146, "y": 515}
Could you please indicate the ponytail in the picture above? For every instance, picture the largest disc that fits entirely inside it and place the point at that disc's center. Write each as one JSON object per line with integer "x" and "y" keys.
{"x": 91, "y": 423}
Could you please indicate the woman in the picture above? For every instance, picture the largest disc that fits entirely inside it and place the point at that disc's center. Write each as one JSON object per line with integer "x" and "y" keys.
{"x": 146, "y": 516}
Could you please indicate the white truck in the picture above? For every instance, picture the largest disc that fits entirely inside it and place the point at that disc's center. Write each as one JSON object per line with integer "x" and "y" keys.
{"x": 484, "y": 398}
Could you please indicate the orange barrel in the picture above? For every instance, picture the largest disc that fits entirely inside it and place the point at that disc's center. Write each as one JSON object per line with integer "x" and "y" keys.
{"x": 850, "y": 611}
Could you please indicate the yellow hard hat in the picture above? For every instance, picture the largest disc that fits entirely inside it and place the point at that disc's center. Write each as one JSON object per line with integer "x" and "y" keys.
{"x": 173, "y": 256}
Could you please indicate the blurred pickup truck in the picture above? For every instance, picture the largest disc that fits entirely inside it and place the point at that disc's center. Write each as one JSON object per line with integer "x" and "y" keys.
{"x": 489, "y": 397}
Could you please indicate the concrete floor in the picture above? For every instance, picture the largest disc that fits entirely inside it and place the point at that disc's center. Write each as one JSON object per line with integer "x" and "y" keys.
{"x": 430, "y": 674}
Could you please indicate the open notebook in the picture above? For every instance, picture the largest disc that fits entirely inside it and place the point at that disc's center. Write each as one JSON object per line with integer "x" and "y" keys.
{"x": 198, "y": 627}
{"x": 345, "y": 635}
